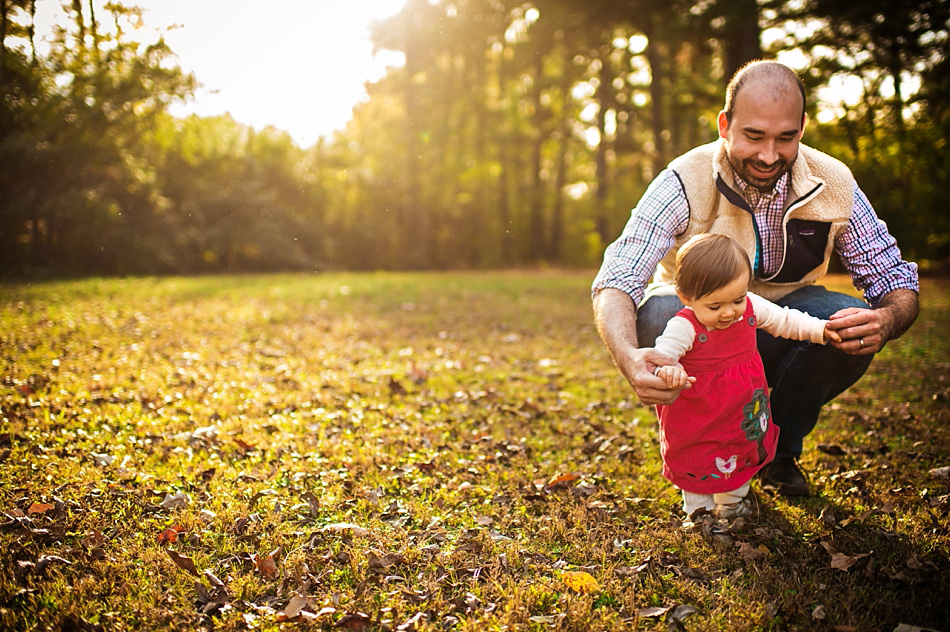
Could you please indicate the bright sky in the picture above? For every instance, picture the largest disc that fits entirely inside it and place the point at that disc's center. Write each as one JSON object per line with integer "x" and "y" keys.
{"x": 298, "y": 65}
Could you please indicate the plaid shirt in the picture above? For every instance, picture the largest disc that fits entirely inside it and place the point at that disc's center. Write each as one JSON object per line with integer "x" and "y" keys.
{"x": 866, "y": 248}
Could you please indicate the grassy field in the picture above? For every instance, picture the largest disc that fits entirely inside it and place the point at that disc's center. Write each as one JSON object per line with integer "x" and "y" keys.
{"x": 447, "y": 451}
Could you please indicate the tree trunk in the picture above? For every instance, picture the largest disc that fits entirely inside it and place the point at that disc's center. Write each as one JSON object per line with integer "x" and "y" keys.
{"x": 742, "y": 37}
{"x": 415, "y": 216}
{"x": 602, "y": 182}
{"x": 536, "y": 236}
{"x": 657, "y": 95}
{"x": 4, "y": 10}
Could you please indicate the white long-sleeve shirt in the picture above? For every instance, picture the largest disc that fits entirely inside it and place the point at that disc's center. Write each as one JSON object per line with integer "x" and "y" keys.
{"x": 781, "y": 322}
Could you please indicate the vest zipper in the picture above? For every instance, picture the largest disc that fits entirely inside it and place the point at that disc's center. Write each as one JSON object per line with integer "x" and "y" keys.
{"x": 791, "y": 207}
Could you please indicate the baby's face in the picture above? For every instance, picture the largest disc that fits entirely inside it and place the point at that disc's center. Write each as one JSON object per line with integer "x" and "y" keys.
{"x": 721, "y": 308}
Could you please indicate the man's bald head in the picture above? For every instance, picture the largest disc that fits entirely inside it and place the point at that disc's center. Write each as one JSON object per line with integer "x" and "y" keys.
{"x": 775, "y": 79}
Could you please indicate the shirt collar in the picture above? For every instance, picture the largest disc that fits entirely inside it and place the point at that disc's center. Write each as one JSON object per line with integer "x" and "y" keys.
{"x": 756, "y": 198}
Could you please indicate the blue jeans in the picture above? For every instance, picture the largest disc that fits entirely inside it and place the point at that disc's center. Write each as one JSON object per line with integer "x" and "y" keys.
{"x": 803, "y": 376}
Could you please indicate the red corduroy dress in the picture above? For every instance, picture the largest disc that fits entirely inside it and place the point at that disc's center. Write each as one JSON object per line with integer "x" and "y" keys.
{"x": 717, "y": 434}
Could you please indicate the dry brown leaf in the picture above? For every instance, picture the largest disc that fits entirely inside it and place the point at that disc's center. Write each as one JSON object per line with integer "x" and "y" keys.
{"x": 38, "y": 508}
{"x": 840, "y": 560}
{"x": 267, "y": 565}
{"x": 45, "y": 560}
{"x": 312, "y": 501}
{"x": 384, "y": 561}
{"x": 355, "y": 621}
{"x": 244, "y": 445}
{"x": 654, "y": 611}
{"x": 170, "y": 535}
{"x": 561, "y": 481}
{"x": 750, "y": 553}
{"x": 178, "y": 500}
{"x": 940, "y": 472}
{"x": 414, "y": 622}
{"x": 185, "y": 563}
{"x": 347, "y": 527}
{"x": 295, "y": 606}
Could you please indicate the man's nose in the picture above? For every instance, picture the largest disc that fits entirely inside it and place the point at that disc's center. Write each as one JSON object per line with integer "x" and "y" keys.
{"x": 767, "y": 152}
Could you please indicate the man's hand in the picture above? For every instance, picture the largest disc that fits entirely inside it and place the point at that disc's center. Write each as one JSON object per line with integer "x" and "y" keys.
{"x": 616, "y": 320}
{"x": 638, "y": 367}
{"x": 865, "y": 331}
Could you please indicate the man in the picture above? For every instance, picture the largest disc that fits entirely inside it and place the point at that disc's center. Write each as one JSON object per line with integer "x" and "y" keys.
{"x": 789, "y": 206}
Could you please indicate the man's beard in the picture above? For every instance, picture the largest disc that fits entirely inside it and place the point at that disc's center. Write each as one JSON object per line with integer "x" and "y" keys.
{"x": 765, "y": 185}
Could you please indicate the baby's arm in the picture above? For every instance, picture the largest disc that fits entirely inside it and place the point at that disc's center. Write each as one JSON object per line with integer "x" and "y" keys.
{"x": 676, "y": 339}
{"x": 785, "y": 322}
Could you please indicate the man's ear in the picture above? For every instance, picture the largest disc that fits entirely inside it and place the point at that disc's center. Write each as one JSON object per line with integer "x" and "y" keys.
{"x": 723, "y": 123}
{"x": 802, "y": 131}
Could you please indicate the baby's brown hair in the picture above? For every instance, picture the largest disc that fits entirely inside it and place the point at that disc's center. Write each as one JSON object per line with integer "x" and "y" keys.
{"x": 708, "y": 262}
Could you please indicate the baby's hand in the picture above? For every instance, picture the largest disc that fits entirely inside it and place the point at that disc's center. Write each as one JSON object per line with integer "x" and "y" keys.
{"x": 831, "y": 334}
{"x": 674, "y": 376}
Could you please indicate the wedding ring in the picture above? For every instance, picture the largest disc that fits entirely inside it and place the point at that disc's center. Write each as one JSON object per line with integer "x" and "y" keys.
{"x": 861, "y": 342}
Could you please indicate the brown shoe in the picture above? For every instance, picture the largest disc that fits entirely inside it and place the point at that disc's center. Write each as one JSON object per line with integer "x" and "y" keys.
{"x": 784, "y": 477}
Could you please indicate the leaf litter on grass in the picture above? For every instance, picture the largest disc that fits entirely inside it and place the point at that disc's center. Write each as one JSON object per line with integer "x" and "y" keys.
{"x": 279, "y": 451}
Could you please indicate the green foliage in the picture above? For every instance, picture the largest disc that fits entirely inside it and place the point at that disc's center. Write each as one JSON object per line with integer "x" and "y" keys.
{"x": 514, "y": 134}
{"x": 432, "y": 451}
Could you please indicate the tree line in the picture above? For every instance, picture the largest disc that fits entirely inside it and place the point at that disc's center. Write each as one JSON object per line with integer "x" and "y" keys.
{"x": 515, "y": 133}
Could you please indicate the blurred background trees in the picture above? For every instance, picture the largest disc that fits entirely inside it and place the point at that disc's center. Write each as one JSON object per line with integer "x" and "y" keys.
{"x": 516, "y": 133}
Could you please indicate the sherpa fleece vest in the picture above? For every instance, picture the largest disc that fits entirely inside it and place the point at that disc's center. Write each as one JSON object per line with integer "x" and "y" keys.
{"x": 818, "y": 207}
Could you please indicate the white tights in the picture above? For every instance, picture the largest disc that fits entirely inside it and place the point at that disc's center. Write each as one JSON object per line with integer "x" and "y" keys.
{"x": 692, "y": 501}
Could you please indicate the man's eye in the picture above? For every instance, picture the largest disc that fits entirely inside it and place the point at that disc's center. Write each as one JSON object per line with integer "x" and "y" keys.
{"x": 754, "y": 139}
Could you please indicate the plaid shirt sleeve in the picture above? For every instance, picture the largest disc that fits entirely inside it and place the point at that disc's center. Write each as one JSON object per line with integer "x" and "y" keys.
{"x": 871, "y": 255}
{"x": 630, "y": 261}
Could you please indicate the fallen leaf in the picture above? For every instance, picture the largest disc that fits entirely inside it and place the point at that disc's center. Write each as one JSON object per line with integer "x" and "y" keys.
{"x": 183, "y": 562}
{"x": 562, "y": 481}
{"x": 750, "y": 553}
{"x": 170, "y": 534}
{"x": 395, "y": 388}
{"x": 346, "y": 527}
{"x": 580, "y": 581}
{"x": 296, "y": 604}
{"x": 244, "y": 445}
{"x": 682, "y": 611}
{"x": 312, "y": 501}
{"x": 418, "y": 375}
{"x": 384, "y": 561}
{"x": 840, "y": 560}
{"x": 93, "y": 539}
{"x": 215, "y": 598}
{"x": 38, "y": 508}
{"x": 542, "y": 619}
{"x": 654, "y": 611}
{"x": 46, "y": 560}
{"x": 414, "y": 622}
{"x": 859, "y": 518}
{"x": 178, "y": 500}
{"x": 354, "y": 621}
{"x": 631, "y": 571}
{"x": 267, "y": 565}
{"x": 102, "y": 460}
{"x": 940, "y": 472}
